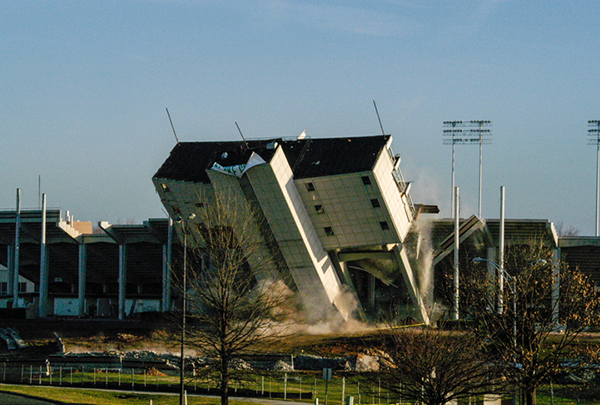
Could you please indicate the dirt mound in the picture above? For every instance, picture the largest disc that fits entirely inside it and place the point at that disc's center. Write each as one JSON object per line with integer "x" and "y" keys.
{"x": 153, "y": 371}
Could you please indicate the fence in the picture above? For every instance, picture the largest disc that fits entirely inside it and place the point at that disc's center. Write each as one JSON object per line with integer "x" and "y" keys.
{"x": 297, "y": 386}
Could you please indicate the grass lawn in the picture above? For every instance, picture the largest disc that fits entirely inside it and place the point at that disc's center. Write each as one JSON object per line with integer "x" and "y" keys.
{"x": 100, "y": 397}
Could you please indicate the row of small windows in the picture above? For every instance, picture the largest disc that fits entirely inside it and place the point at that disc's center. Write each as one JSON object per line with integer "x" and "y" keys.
{"x": 383, "y": 224}
{"x": 374, "y": 203}
{"x": 310, "y": 186}
{"x": 177, "y": 211}
{"x": 4, "y": 287}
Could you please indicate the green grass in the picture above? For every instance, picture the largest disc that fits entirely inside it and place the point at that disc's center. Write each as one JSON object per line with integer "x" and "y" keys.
{"x": 101, "y": 397}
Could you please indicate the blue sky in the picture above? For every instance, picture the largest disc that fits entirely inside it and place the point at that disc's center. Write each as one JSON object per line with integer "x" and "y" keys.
{"x": 84, "y": 86}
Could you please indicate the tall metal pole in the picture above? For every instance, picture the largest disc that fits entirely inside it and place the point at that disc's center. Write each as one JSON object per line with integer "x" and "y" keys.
{"x": 167, "y": 267}
{"x": 594, "y": 139}
{"x": 452, "y": 132}
{"x": 455, "y": 311}
{"x": 598, "y": 189}
{"x": 480, "y": 166}
{"x": 501, "y": 255}
{"x": 184, "y": 228}
{"x": 453, "y": 164}
{"x": 184, "y": 304}
{"x": 43, "y": 304}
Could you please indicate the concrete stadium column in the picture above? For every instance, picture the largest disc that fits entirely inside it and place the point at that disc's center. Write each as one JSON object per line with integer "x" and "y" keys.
{"x": 10, "y": 257}
{"x": 348, "y": 281}
{"x": 167, "y": 265}
{"x": 15, "y": 280}
{"x": 43, "y": 301}
{"x": 82, "y": 278}
{"x": 555, "y": 286}
{"x": 122, "y": 279}
{"x": 371, "y": 291}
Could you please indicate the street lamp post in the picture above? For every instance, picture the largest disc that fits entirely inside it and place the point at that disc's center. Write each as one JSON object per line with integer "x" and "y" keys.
{"x": 184, "y": 230}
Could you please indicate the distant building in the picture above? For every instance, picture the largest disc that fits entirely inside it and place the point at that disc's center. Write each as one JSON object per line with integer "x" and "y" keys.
{"x": 116, "y": 272}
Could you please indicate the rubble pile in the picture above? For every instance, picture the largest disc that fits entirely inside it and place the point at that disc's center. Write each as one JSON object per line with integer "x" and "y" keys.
{"x": 273, "y": 362}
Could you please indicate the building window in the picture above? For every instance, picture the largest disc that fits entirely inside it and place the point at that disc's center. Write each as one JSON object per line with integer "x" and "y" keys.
{"x": 384, "y": 225}
{"x": 366, "y": 180}
{"x": 3, "y": 288}
{"x": 319, "y": 209}
{"x": 309, "y": 186}
{"x": 328, "y": 231}
{"x": 375, "y": 203}
{"x": 200, "y": 204}
{"x": 22, "y": 287}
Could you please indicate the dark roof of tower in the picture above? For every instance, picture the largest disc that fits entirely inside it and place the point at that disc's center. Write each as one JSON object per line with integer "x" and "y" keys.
{"x": 308, "y": 157}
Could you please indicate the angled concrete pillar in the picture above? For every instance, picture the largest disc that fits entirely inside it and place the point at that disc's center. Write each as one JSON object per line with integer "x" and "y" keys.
{"x": 122, "y": 279}
{"x": 43, "y": 303}
{"x": 82, "y": 271}
{"x": 411, "y": 283}
{"x": 350, "y": 284}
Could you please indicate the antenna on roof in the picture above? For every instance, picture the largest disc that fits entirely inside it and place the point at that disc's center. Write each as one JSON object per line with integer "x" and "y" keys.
{"x": 242, "y": 135}
{"x": 172, "y": 126}
{"x": 379, "y": 118}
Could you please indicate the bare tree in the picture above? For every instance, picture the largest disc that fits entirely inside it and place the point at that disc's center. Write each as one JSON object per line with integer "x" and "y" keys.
{"x": 436, "y": 367}
{"x": 546, "y": 307}
{"x": 563, "y": 230}
{"x": 233, "y": 305}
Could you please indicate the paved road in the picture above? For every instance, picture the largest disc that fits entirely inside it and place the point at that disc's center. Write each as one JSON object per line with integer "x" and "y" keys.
{"x": 12, "y": 399}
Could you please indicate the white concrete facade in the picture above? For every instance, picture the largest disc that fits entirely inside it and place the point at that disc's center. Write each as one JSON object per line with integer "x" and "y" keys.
{"x": 318, "y": 217}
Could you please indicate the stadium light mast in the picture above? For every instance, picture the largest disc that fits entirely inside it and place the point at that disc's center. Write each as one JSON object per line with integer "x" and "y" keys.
{"x": 452, "y": 129}
{"x": 594, "y": 139}
{"x": 483, "y": 135}
{"x": 476, "y": 132}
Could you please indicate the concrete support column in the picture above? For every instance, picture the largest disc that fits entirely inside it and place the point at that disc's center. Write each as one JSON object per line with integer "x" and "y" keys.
{"x": 371, "y": 291}
{"x": 14, "y": 288}
{"x": 556, "y": 254}
{"x": 347, "y": 280}
{"x": 166, "y": 269}
{"x": 43, "y": 304}
{"x": 82, "y": 279}
{"x": 10, "y": 262}
{"x": 122, "y": 279}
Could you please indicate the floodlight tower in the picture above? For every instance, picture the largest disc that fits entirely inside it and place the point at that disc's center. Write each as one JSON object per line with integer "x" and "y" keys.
{"x": 594, "y": 139}
{"x": 474, "y": 132}
{"x": 482, "y": 135}
{"x": 453, "y": 129}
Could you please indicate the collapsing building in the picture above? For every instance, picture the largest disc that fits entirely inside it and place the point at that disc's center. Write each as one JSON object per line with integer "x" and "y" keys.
{"x": 333, "y": 213}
